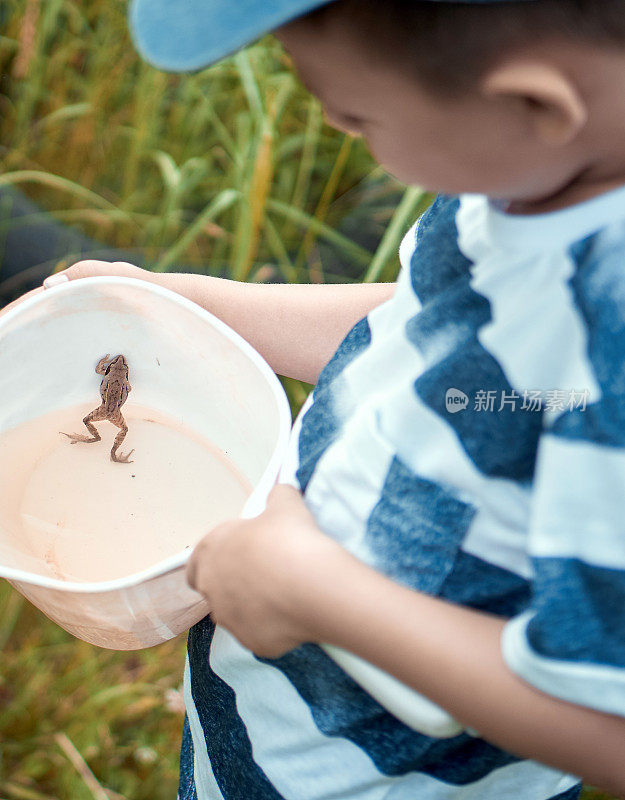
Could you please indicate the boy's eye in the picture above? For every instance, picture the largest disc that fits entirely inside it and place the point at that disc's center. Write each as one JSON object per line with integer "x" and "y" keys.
{"x": 353, "y": 122}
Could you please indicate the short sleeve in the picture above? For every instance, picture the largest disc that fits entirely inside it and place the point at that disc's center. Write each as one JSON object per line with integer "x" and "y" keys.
{"x": 571, "y": 642}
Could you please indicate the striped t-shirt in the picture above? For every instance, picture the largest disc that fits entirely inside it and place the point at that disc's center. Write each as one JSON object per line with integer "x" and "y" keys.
{"x": 468, "y": 440}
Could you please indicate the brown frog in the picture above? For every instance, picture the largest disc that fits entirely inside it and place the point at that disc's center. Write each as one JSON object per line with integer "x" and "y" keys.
{"x": 114, "y": 390}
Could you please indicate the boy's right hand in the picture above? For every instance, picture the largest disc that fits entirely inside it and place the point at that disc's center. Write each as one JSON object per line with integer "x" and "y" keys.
{"x": 86, "y": 269}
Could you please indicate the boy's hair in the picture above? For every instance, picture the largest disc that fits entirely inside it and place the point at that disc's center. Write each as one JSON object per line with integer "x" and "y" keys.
{"x": 450, "y": 44}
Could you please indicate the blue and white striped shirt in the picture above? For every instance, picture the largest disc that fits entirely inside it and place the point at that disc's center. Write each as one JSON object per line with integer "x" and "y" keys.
{"x": 468, "y": 440}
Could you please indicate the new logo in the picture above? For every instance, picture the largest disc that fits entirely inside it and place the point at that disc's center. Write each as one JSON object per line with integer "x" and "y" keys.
{"x": 455, "y": 401}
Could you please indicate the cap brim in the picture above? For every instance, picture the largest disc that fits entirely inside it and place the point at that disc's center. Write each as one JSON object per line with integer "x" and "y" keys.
{"x": 187, "y": 35}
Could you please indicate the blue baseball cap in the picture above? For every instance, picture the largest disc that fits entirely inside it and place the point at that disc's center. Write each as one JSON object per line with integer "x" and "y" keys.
{"x": 187, "y": 35}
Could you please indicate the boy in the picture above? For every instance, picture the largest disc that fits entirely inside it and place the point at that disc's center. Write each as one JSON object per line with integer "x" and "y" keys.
{"x": 457, "y": 479}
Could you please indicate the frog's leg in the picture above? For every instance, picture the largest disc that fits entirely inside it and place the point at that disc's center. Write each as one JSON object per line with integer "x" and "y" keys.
{"x": 118, "y": 420}
{"x": 102, "y": 365}
{"x": 97, "y": 414}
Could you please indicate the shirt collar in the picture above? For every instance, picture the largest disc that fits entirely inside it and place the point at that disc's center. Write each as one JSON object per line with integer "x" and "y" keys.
{"x": 562, "y": 227}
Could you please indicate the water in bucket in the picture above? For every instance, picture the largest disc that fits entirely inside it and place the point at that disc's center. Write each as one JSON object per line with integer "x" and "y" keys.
{"x": 78, "y": 511}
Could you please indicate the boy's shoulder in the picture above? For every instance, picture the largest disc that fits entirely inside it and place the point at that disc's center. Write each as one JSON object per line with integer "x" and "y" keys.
{"x": 599, "y": 261}
{"x": 598, "y": 285}
{"x": 432, "y": 253}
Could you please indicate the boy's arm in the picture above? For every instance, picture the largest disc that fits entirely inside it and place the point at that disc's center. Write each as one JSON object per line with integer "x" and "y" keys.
{"x": 295, "y": 327}
{"x": 453, "y": 656}
{"x": 276, "y": 581}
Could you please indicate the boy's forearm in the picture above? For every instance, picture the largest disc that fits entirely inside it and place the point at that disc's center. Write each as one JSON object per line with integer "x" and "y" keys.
{"x": 452, "y": 655}
{"x": 295, "y": 327}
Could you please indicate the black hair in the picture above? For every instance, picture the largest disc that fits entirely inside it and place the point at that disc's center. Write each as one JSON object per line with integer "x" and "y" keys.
{"x": 450, "y": 44}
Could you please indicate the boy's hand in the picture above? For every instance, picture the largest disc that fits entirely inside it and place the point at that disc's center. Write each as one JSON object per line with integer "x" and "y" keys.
{"x": 90, "y": 268}
{"x": 261, "y": 575}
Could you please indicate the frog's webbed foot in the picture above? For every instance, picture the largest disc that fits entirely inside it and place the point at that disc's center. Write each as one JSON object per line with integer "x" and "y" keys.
{"x": 77, "y": 437}
{"x": 121, "y": 459}
{"x": 95, "y": 436}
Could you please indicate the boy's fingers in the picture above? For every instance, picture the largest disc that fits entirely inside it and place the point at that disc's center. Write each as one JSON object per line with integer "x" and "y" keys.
{"x": 195, "y": 559}
{"x": 54, "y": 280}
{"x": 286, "y": 499}
{"x": 191, "y": 573}
{"x": 81, "y": 269}
{"x": 283, "y": 493}
{"x": 193, "y": 577}
{"x": 90, "y": 268}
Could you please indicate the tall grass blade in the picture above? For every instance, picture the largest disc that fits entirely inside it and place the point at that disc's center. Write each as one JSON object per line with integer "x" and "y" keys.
{"x": 359, "y": 255}
{"x": 250, "y": 86}
{"x": 217, "y": 206}
{"x": 402, "y": 218}
{"x": 260, "y": 185}
{"x": 55, "y": 182}
{"x": 325, "y": 200}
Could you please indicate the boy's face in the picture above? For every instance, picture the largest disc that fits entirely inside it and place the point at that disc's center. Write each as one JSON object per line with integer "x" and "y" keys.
{"x": 473, "y": 143}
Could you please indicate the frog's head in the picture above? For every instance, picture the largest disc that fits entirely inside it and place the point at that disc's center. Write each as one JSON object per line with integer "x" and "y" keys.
{"x": 119, "y": 362}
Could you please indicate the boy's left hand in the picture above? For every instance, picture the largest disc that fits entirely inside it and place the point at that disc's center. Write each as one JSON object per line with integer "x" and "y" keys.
{"x": 261, "y": 575}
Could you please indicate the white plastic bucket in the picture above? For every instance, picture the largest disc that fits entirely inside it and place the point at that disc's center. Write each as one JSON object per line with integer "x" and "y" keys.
{"x": 184, "y": 363}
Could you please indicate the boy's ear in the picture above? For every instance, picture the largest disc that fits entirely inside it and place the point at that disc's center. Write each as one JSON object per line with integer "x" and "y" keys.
{"x": 555, "y": 109}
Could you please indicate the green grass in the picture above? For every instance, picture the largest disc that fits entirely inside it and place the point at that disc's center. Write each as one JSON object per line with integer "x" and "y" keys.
{"x": 118, "y": 713}
{"x": 230, "y": 171}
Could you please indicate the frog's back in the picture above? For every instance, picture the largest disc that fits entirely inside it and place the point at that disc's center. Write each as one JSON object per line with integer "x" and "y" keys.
{"x": 114, "y": 392}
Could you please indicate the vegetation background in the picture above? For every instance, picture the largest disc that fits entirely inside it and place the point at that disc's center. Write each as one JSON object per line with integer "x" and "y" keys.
{"x": 230, "y": 171}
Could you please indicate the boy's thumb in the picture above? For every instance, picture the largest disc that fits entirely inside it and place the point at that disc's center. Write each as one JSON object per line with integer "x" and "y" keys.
{"x": 82, "y": 269}
{"x": 91, "y": 268}
{"x": 54, "y": 280}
